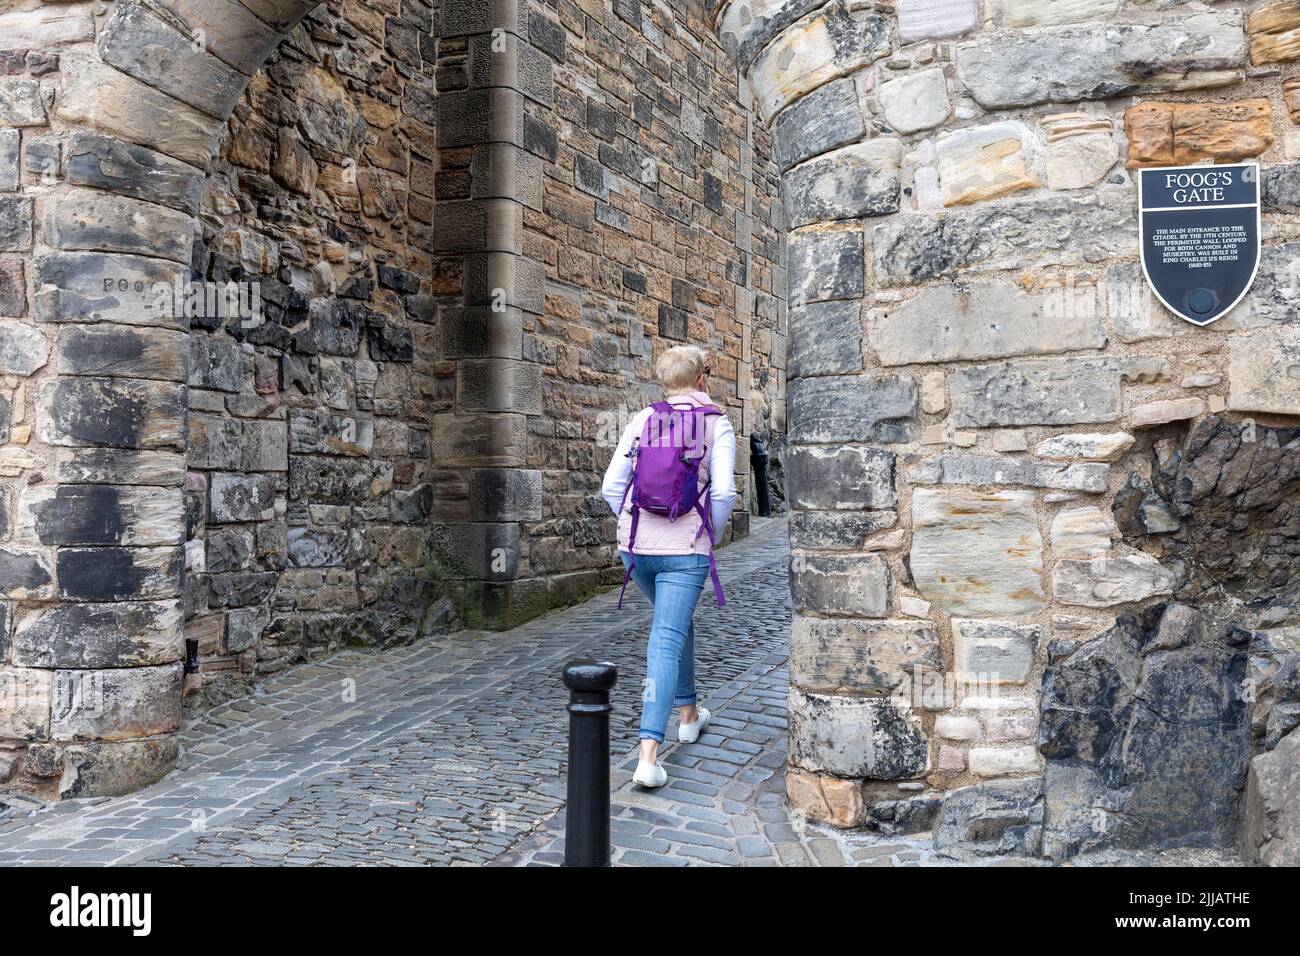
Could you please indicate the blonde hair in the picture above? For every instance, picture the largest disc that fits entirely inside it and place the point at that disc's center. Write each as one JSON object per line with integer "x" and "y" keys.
{"x": 679, "y": 367}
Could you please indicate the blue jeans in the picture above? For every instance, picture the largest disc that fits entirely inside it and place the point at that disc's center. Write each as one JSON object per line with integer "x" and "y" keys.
{"x": 673, "y": 583}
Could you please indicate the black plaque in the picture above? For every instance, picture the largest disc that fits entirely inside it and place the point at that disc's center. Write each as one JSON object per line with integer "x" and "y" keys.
{"x": 1199, "y": 230}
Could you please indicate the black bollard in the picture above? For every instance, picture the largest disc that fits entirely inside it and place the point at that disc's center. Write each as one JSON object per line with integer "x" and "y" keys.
{"x": 586, "y": 820}
{"x": 758, "y": 458}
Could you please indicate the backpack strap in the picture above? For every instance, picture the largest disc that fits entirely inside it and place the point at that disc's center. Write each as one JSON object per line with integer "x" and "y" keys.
{"x": 706, "y": 524}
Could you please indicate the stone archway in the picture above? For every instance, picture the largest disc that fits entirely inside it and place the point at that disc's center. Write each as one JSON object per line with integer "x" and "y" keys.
{"x": 976, "y": 366}
{"x": 117, "y": 123}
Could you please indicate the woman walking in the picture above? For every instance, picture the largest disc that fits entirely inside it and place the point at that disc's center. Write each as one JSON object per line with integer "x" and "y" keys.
{"x": 672, "y": 484}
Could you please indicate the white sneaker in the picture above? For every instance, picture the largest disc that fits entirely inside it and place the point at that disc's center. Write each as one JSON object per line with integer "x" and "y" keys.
{"x": 650, "y": 775}
{"x": 689, "y": 733}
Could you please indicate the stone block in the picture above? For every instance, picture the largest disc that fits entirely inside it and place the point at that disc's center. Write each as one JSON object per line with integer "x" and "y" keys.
{"x": 994, "y": 652}
{"x": 215, "y": 441}
{"x": 23, "y": 349}
{"x": 864, "y": 737}
{"x": 823, "y": 120}
{"x": 16, "y": 223}
{"x": 1163, "y": 412}
{"x": 120, "y": 413}
{"x": 1264, "y": 371}
{"x": 1182, "y": 134}
{"x": 915, "y": 101}
{"x": 826, "y": 262}
{"x": 823, "y": 798}
{"x": 986, "y": 320}
{"x": 954, "y": 727}
{"x": 1081, "y": 150}
{"x": 21, "y": 103}
{"x": 264, "y": 446}
{"x": 120, "y": 350}
{"x": 984, "y": 162}
{"x": 936, "y": 19}
{"x": 99, "y": 287}
{"x": 244, "y": 628}
{"x": 1109, "y": 579}
{"x": 855, "y": 586}
{"x": 837, "y": 530}
{"x": 505, "y": 494}
{"x": 1071, "y": 391}
{"x": 1091, "y": 446}
{"x": 128, "y": 634}
{"x": 25, "y": 574}
{"x": 872, "y": 657}
{"x": 142, "y": 45}
{"x": 841, "y": 478}
{"x": 975, "y": 470}
{"x": 820, "y": 48}
{"x": 119, "y": 574}
{"x": 1053, "y": 231}
{"x": 27, "y": 694}
{"x": 96, "y": 95}
{"x": 852, "y": 408}
{"x": 240, "y": 497}
{"x": 1271, "y": 826}
{"x": 85, "y": 219}
{"x": 1000, "y": 761}
{"x": 1273, "y": 30}
{"x": 105, "y": 769}
{"x": 116, "y": 704}
{"x": 499, "y": 385}
{"x": 318, "y": 547}
{"x": 45, "y": 27}
{"x": 1018, "y": 14}
{"x": 486, "y": 439}
{"x": 977, "y": 553}
{"x": 9, "y": 139}
{"x": 1064, "y": 64}
{"x": 825, "y": 338}
{"x": 1082, "y": 529}
{"x": 847, "y": 183}
{"x": 101, "y": 515}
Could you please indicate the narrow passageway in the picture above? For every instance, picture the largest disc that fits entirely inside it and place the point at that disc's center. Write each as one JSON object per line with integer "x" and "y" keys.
{"x": 450, "y": 750}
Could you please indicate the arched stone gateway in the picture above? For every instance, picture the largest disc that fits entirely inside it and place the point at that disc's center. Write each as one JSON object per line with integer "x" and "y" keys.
{"x": 438, "y": 209}
{"x": 114, "y": 162}
{"x": 982, "y": 389}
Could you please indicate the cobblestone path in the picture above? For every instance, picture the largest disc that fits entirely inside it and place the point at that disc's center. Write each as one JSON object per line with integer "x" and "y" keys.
{"x": 451, "y": 750}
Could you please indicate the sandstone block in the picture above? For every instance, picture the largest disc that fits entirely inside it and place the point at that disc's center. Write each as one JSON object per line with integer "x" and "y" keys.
{"x": 984, "y": 162}
{"x": 21, "y": 103}
{"x": 1053, "y": 231}
{"x": 239, "y": 497}
{"x": 999, "y": 761}
{"x": 824, "y": 799}
{"x": 129, "y": 634}
{"x": 1030, "y": 13}
{"x": 1082, "y": 529}
{"x": 1058, "y": 392}
{"x": 935, "y": 19}
{"x": 824, "y": 119}
{"x": 826, "y": 262}
{"x": 1163, "y": 412}
{"x": 1274, "y": 33}
{"x": 974, "y": 470}
{"x": 23, "y": 349}
{"x": 1180, "y": 134}
{"x": 818, "y": 49}
{"x": 1090, "y": 446}
{"x": 100, "y": 287}
{"x": 119, "y": 350}
{"x": 120, "y": 413}
{"x": 825, "y": 338}
{"x": 976, "y": 553}
{"x": 101, "y": 515}
{"x": 953, "y": 727}
{"x": 27, "y": 694}
{"x": 1080, "y": 150}
{"x": 119, "y": 574}
{"x": 116, "y": 704}
{"x": 103, "y": 222}
{"x": 837, "y": 531}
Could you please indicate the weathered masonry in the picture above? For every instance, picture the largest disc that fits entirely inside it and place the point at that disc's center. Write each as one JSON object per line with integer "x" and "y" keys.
{"x": 1045, "y": 533}
{"x": 318, "y": 322}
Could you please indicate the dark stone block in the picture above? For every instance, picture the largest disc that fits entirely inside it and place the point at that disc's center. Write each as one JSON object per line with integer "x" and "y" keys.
{"x": 601, "y": 120}
{"x": 20, "y": 571}
{"x": 80, "y": 514}
{"x": 505, "y": 494}
{"x": 673, "y": 323}
{"x": 357, "y": 287}
{"x": 13, "y": 287}
{"x": 590, "y": 176}
{"x": 399, "y": 280}
{"x": 336, "y": 330}
{"x": 713, "y": 192}
{"x": 388, "y": 343}
{"x": 824, "y": 119}
{"x": 541, "y": 139}
{"x": 634, "y": 281}
{"x": 241, "y": 588}
{"x": 129, "y": 170}
{"x": 826, "y": 338}
{"x": 683, "y": 295}
{"x": 547, "y": 35}
{"x": 119, "y": 574}
{"x": 414, "y": 506}
{"x": 629, "y": 11}
{"x": 852, "y": 408}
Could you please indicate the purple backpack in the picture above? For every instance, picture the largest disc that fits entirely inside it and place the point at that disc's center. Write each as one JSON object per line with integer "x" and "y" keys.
{"x": 665, "y": 475}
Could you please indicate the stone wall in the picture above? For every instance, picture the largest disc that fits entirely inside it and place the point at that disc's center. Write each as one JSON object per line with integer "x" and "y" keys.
{"x": 415, "y": 262}
{"x": 980, "y": 379}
